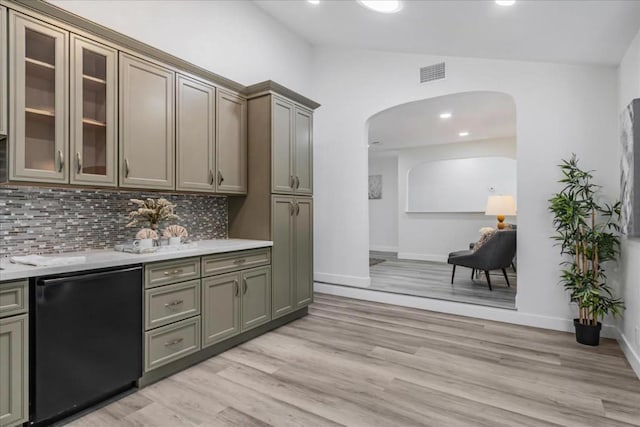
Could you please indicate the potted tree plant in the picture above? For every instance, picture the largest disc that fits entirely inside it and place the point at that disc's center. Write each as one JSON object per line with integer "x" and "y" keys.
{"x": 588, "y": 233}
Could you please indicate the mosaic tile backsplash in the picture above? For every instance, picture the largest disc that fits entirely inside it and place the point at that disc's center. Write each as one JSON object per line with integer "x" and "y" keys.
{"x": 36, "y": 220}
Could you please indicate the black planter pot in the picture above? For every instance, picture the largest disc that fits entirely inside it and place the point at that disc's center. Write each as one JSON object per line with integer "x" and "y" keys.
{"x": 587, "y": 334}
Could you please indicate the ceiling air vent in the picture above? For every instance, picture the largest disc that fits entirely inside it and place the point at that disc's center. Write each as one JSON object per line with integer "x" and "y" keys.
{"x": 432, "y": 72}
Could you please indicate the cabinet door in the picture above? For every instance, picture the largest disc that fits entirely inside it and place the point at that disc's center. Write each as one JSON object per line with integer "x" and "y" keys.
{"x": 303, "y": 253}
{"x": 93, "y": 113}
{"x": 282, "y": 173}
{"x": 39, "y": 100}
{"x": 231, "y": 143}
{"x": 303, "y": 151}
{"x": 256, "y": 297}
{"x": 195, "y": 135}
{"x": 146, "y": 124}
{"x": 3, "y": 70}
{"x": 14, "y": 375}
{"x": 220, "y": 308}
{"x": 282, "y": 220}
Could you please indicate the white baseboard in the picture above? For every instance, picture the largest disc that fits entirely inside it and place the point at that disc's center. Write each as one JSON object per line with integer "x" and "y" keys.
{"x": 461, "y": 309}
{"x": 381, "y": 248}
{"x": 422, "y": 257}
{"x": 340, "y": 279}
{"x": 632, "y": 356}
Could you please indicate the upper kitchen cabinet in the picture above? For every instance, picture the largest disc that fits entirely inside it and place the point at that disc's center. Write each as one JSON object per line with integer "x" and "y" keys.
{"x": 292, "y": 148}
{"x": 3, "y": 70}
{"x": 146, "y": 124}
{"x": 195, "y": 135}
{"x": 38, "y": 99}
{"x": 93, "y": 113}
{"x": 231, "y": 143}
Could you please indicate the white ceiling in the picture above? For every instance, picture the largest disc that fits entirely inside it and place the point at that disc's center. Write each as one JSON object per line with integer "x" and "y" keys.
{"x": 485, "y": 115}
{"x": 570, "y": 31}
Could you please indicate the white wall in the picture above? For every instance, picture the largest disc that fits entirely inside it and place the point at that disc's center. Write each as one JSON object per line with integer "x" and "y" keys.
{"x": 383, "y": 213}
{"x": 235, "y": 39}
{"x": 431, "y": 236}
{"x": 629, "y": 89}
{"x": 560, "y": 109}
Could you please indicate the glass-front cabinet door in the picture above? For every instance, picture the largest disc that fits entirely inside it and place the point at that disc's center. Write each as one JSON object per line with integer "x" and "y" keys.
{"x": 93, "y": 113}
{"x": 38, "y": 97}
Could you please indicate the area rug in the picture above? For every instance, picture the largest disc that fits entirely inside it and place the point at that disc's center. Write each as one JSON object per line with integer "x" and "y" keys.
{"x": 374, "y": 261}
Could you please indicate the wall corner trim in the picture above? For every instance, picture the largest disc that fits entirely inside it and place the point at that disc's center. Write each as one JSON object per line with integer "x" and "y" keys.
{"x": 632, "y": 356}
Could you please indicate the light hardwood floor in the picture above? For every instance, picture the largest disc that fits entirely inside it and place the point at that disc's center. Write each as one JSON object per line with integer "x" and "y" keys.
{"x": 433, "y": 280}
{"x": 358, "y": 363}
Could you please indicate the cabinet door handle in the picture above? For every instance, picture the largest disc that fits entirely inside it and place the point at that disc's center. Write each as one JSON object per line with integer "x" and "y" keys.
{"x": 177, "y": 271}
{"x": 236, "y": 287}
{"x": 60, "y": 161}
{"x": 211, "y": 177}
{"x": 220, "y": 178}
{"x": 245, "y": 285}
{"x": 297, "y": 182}
{"x": 174, "y": 342}
{"x": 297, "y": 208}
{"x": 292, "y": 208}
{"x": 173, "y": 303}
{"x": 292, "y": 182}
{"x": 126, "y": 168}
{"x": 79, "y": 161}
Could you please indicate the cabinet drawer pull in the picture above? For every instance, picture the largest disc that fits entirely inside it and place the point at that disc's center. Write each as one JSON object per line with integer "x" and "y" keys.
{"x": 177, "y": 271}
{"x": 292, "y": 181}
{"x": 297, "y": 181}
{"x": 126, "y": 168}
{"x": 245, "y": 286}
{"x": 211, "y": 178}
{"x": 220, "y": 178}
{"x": 79, "y": 161}
{"x": 174, "y": 342}
{"x": 173, "y": 303}
{"x": 60, "y": 161}
{"x": 240, "y": 261}
{"x": 236, "y": 287}
{"x": 292, "y": 208}
{"x": 297, "y": 208}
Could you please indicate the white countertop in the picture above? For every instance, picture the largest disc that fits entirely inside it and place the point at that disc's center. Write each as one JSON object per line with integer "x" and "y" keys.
{"x": 109, "y": 258}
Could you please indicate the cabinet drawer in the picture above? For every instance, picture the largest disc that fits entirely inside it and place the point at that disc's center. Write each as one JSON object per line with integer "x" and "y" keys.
{"x": 14, "y": 298}
{"x": 169, "y": 343}
{"x": 167, "y": 272}
{"x": 223, "y": 263}
{"x": 168, "y": 304}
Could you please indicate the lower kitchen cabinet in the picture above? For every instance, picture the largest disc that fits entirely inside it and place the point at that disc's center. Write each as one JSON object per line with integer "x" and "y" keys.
{"x": 220, "y": 307}
{"x": 14, "y": 375}
{"x": 292, "y": 262}
{"x": 235, "y": 303}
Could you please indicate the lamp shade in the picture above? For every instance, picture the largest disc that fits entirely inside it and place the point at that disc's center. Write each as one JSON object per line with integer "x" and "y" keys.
{"x": 500, "y": 205}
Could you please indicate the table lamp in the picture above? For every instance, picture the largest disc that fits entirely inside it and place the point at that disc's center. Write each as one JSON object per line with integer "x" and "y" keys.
{"x": 500, "y": 206}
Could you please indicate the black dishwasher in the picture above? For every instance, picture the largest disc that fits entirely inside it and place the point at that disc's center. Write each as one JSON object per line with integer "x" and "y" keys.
{"x": 86, "y": 339}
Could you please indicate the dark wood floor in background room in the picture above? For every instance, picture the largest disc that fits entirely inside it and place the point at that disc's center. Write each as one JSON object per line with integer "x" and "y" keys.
{"x": 358, "y": 363}
{"x": 433, "y": 280}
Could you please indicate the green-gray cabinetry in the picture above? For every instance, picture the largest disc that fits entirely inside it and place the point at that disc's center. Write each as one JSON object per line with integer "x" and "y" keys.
{"x": 93, "y": 96}
{"x": 195, "y": 135}
{"x": 38, "y": 100}
{"x": 237, "y": 295}
{"x": 231, "y": 143}
{"x": 292, "y": 234}
{"x": 14, "y": 353}
{"x": 292, "y": 152}
{"x": 146, "y": 124}
{"x": 3, "y": 70}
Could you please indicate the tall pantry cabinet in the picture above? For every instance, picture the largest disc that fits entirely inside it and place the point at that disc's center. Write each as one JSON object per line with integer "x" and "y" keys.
{"x": 279, "y": 205}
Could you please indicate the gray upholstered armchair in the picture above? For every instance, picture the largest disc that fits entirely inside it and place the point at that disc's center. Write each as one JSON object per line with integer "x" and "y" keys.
{"x": 496, "y": 254}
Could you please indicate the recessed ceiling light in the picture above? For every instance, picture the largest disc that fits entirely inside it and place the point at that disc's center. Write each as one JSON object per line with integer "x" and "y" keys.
{"x": 382, "y": 6}
{"x": 464, "y": 133}
{"x": 445, "y": 115}
{"x": 505, "y": 2}
{"x": 315, "y": 2}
